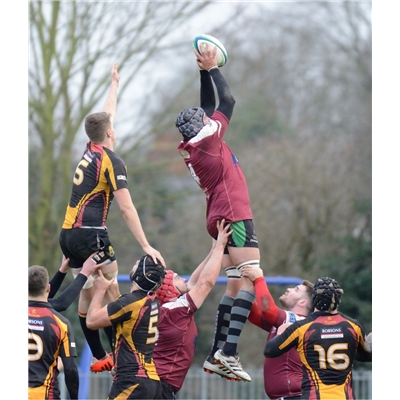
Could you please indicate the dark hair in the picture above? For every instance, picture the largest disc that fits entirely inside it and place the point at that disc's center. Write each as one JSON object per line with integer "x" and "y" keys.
{"x": 38, "y": 279}
{"x": 326, "y": 294}
{"x": 148, "y": 275}
{"x": 96, "y": 126}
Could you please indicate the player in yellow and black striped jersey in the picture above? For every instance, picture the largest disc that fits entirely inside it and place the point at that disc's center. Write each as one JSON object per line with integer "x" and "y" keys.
{"x": 99, "y": 177}
{"x": 50, "y": 336}
{"x": 134, "y": 317}
{"x": 328, "y": 343}
{"x": 99, "y": 173}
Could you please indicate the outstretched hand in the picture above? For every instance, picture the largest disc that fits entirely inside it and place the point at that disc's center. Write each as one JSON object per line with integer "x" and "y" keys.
{"x": 252, "y": 272}
{"x": 101, "y": 283}
{"x": 64, "y": 265}
{"x": 207, "y": 58}
{"x": 93, "y": 263}
{"x": 114, "y": 73}
{"x": 154, "y": 254}
{"x": 223, "y": 232}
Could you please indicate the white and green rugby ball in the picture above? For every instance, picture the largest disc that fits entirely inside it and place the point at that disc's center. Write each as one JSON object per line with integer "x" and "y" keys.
{"x": 203, "y": 39}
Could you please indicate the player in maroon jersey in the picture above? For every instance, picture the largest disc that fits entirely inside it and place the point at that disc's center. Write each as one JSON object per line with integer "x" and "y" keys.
{"x": 180, "y": 300}
{"x": 217, "y": 171}
{"x": 282, "y": 375}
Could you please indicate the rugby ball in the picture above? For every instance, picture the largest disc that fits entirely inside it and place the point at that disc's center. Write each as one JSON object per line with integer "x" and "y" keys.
{"x": 222, "y": 55}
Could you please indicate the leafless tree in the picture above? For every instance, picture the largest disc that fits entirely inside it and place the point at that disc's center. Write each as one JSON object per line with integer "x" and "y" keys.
{"x": 72, "y": 48}
{"x": 301, "y": 128}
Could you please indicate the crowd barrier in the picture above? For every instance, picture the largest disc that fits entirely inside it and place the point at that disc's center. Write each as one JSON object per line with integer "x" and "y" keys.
{"x": 202, "y": 386}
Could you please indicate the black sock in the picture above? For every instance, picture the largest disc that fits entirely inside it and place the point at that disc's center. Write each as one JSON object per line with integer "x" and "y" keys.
{"x": 239, "y": 313}
{"x": 222, "y": 319}
{"x": 109, "y": 333}
{"x": 93, "y": 338}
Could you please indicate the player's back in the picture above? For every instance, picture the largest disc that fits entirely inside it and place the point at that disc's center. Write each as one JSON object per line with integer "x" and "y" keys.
{"x": 135, "y": 319}
{"x": 327, "y": 347}
{"x": 48, "y": 337}
{"x": 176, "y": 345}
{"x": 218, "y": 172}
{"x": 99, "y": 172}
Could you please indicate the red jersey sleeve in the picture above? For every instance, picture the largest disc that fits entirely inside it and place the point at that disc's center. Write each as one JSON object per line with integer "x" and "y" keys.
{"x": 264, "y": 311}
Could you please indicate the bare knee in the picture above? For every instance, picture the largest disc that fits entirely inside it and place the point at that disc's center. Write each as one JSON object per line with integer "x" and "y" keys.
{"x": 232, "y": 287}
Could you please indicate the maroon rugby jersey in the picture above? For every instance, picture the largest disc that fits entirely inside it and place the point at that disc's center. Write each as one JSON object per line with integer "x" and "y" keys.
{"x": 218, "y": 173}
{"x": 176, "y": 343}
{"x": 282, "y": 375}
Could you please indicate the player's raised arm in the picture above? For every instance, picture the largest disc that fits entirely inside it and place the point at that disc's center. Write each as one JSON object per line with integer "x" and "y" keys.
{"x": 110, "y": 106}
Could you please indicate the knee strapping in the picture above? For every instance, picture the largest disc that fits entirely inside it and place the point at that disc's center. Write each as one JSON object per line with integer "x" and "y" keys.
{"x": 110, "y": 275}
{"x": 232, "y": 273}
{"x": 88, "y": 284}
{"x": 254, "y": 263}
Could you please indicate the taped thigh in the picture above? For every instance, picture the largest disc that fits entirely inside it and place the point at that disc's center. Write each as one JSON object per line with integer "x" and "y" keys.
{"x": 232, "y": 272}
{"x": 110, "y": 275}
{"x": 88, "y": 284}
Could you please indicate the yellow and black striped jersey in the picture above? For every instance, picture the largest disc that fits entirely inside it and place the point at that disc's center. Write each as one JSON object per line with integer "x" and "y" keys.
{"x": 49, "y": 336}
{"x": 328, "y": 344}
{"x": 99, "y": 173}
{"x": 134, "y": 317}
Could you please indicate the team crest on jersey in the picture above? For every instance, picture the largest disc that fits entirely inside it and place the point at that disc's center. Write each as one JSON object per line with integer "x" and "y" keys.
{"x": 184, "y": 153}
{"x": 111, "y": 251}
{"x": 330, "y": 320}
{"x": 33, "y": 313}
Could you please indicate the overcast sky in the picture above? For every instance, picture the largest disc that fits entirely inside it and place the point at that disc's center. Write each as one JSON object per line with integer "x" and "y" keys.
{"x": 14, "y": 73}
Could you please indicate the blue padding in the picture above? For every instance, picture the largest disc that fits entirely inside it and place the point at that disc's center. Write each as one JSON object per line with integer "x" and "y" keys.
{"x": 271, "y": 280}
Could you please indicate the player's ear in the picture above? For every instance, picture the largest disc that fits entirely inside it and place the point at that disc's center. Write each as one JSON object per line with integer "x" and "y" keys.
{"x": 303, "y": 302}
{"x": 48, "y": 288}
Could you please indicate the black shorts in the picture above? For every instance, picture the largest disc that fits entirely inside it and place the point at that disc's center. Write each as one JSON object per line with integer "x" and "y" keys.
{"x": 79, "y": 243}
{"x": 143, "y": 388}
{"x": 168, "y": 392}
{"x": 243, "y": 235}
